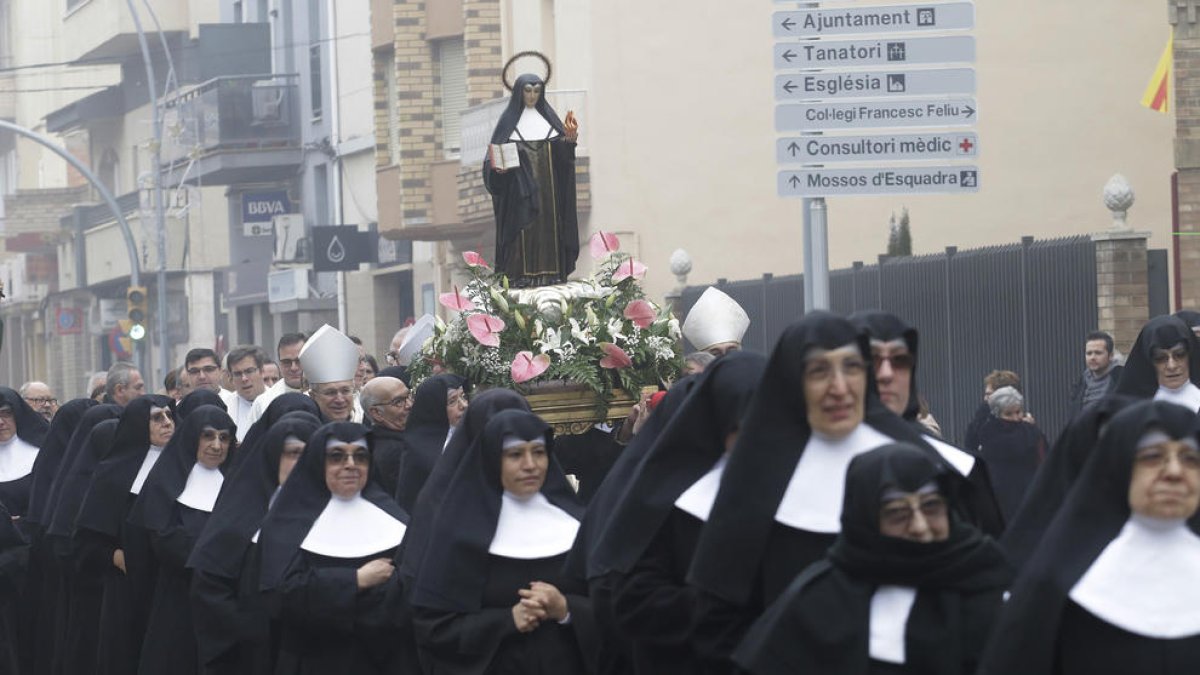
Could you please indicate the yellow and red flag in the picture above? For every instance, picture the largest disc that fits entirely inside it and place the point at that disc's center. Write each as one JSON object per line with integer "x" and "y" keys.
{"x": 1157, "y": 95}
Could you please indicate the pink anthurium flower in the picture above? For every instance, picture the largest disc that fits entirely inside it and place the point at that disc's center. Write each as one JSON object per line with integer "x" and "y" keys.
{"x": 486, "y": 329}
{"x": 456, "y": 301}
{"x": 629, "y": 268}
{"x": 602, "y": 244}
{"x": 475, "y": 260}
{"x": 614, "y": 356}
{"x": 641, "y": 313}
{"x": 526, "y": 366}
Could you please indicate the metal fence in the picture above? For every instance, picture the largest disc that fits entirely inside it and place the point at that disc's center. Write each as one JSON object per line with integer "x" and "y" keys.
{"x": 1024, "y": 307}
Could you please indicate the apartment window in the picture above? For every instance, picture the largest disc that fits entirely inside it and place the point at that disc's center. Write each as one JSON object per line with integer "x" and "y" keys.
{"x": 314, "y": 57}
{"x": 391, "y": 92}
{"x": 452, "y": 67}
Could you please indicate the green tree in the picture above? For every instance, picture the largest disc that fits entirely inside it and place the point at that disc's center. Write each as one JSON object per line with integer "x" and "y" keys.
{"x": 899, "y": 235}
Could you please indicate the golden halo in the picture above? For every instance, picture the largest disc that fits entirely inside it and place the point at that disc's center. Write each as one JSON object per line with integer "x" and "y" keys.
{"x": 545, "y": 80}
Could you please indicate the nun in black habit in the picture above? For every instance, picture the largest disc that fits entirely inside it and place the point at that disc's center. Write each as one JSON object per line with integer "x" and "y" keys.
{"x": 1114, "y": 587}
{"x": 463, "y": 441}
{"x": 1055, "y": 477}
{"x": 114, "y": 550}
{"x": 908, "y": 587}
{"x": 327, "y": 547}
{"x": 46, "y": 576}
{"x": 490, "y": 596}
{"x": 779, "y": 505}
{"x": 79, "y": 610}
{"x": 281, "y": 405}
{"x": 14, "y": 562}
{"x": 426, "y": 434}
{"x": 175, "y": 504}
{"x": 537, "y": 229}
{"x": 233, "y": 628}
{"x": 652, "y": 535}
{"x": 1164, "y": 364}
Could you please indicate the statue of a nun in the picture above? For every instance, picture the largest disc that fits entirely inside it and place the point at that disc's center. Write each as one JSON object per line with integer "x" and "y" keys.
{"x": 537, "y": 232}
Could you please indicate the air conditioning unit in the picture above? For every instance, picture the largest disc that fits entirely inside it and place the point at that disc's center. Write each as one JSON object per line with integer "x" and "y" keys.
{"x": 285, "y": 285}
{"x": 291, "y": 246}
{"x": 268, "y": 103}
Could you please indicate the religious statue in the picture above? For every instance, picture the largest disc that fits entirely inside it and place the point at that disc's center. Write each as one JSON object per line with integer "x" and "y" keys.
{"x": 530, "y": 172}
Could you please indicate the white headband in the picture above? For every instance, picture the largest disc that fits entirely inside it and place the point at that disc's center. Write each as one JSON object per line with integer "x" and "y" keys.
{"x": 334, "y": 442}
{"x": 511, "y": 440}
{"x": 1157, "y": 436}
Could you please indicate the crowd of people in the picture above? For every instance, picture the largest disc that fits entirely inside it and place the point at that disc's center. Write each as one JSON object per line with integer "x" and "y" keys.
{"x": 796, "y": 512}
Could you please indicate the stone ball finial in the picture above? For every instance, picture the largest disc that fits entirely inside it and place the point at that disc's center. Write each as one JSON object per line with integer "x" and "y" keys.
{"x": 681, "y": 263}
{"x": 1118, "y": 197}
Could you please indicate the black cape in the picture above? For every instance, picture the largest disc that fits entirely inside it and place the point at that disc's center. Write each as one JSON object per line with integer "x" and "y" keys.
{"x": 424, "y": 436}
{"x": 821, "y": 623}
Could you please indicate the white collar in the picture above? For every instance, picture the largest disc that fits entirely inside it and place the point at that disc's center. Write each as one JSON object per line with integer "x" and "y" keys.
{"x": 1147, "y": 580}
{"x": 353, "y": 528}
{"x": 1187, "y": 396}
{"x": 813, "y": 499}
{"x": 203, "y": 486}
{"x": 532, "y": 528}
{"x": 698, "y": 499}
{"x": 16, "y": 459}
{"x": 961, "y": 460}
{"x": 533, "y": 127}
{"x": 148, "y": 463}
{"x": 449, "y": 435}
{"x": 890, "y": 607}
{"x": 254, "y": 539}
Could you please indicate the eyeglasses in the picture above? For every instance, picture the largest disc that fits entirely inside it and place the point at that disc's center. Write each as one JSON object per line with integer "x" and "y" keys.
{"x": 161, "y": 417}
{"x": 821, "y": 370}
{"x": 398, "y": 402}
{"x": 1156, "y": 457}
{"x": 902, "y": 361}
{"x": 339, "y": 457}
{"x": 239, "y": 374}
{"x": 344, "y": 392}
{"x": 7, "y": 414}
{"x": 1178, "y": 354}
{"x": 289, "y": 363}
{"x": 900, "y": 515}
{"x": 207, "y": 370}
{"x": 42, "y": 400}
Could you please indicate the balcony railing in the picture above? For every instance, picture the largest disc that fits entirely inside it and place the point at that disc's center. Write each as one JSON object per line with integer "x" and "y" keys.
{"x": 253, "y": 112}
{"x": 479, "y": 122}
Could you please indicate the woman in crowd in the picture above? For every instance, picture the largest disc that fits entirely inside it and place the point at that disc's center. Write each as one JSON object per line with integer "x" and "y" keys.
{"x": 490, "y": 596}
{"x": 1164, "y": 364}
{"x": 1114, "y": 586}
{"x": 232, "y": 624}
{"x": 327, "y": 547}
{"x": 908, "y": 587}
{"x": 22, "y": 432}
{"x": 175, "y": 504}
{"x": 438, "y": 404}
{"x": 112, "y": 549}
{"x": 651, "y": 537}
{"x": 1012, "y": 448}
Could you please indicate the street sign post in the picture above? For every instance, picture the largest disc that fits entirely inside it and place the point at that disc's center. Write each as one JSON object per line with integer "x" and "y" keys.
{"x": 872, "y": 52}
{"x": 957, "y": 179}
{"x": 875, "y": 20}
{"x": 876, "y": 147}
{"x": 923, "y": 112}
{"x": 874, "y": 83}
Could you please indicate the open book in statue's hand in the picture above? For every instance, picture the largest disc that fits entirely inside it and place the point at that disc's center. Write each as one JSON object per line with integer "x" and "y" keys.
{"x": 504, "y": 156}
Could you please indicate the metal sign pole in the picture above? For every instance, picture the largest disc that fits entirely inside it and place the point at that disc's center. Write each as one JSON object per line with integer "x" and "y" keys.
{"x": 820, "y": 255}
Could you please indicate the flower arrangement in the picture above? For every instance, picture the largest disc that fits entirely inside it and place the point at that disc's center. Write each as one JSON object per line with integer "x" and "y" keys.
{"x": 601, "y": 332}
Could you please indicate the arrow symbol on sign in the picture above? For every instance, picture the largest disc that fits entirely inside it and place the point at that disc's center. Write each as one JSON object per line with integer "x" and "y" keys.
{"x": 970, "y": 112}
{"x": 788, "y": 23}
{"x": 795, "y": 181}
{"x": 789, "y": 55}
{"x": 793, "y": 148}
{"x": 789, "y": 87}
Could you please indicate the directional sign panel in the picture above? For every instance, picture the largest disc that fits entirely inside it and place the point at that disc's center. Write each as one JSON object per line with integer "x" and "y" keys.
{"x": 879, "y": 19}
{"x": 871, "y": 52}
{"x": 926, "y": 112}
{"x": 875, "y": 84}
{"x": 879, "y": 181}
{"x": 878, "y": 147}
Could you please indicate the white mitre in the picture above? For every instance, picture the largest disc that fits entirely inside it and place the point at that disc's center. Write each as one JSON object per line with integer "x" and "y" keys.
{"x": 416, "y": 336}
{"x": 715, "y": 318}
{"x": 329, "y": 356}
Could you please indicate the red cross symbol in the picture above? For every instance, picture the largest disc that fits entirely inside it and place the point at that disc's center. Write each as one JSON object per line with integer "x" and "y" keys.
{"x": 966, "y": 146}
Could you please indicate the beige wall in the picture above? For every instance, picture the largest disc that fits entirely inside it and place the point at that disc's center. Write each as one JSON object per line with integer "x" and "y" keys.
{"x": 682, "y": 135}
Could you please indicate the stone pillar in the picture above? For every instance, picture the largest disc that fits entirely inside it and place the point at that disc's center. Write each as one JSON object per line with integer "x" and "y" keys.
{"x": 1184, "y": 15}
{"x": 1122, "y": 290}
